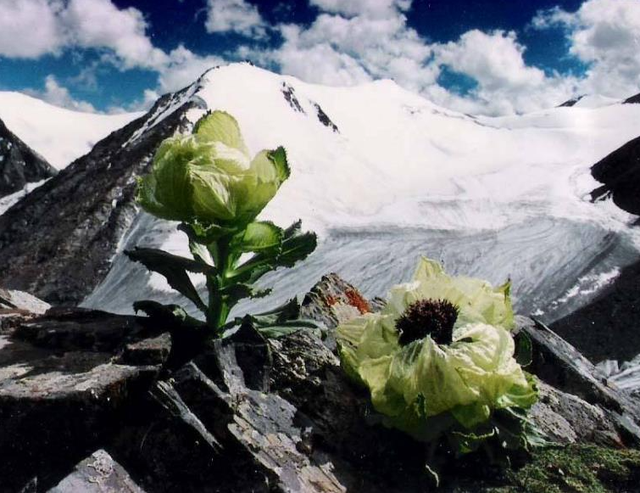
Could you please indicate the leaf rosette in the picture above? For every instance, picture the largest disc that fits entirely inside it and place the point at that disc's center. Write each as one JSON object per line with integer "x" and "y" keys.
{"x": 210, "y": 178}
{"x": 416, "y": 384}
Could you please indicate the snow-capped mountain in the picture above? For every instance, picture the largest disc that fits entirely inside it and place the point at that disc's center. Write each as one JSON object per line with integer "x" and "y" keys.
{"x": 383, "y": 176}
{"x": 58, "y": 134}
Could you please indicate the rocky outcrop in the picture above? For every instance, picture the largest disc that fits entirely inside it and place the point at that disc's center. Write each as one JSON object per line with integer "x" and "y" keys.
{"x": 620, "y": 174}
{"x": 632, "y": 100}
{"x": 607, "y": 328}
{"x": 64, "y": 379}
{"x": 58, "y": 241}
{"x": 19, "y": 164}
{"x": 84, "y": 406}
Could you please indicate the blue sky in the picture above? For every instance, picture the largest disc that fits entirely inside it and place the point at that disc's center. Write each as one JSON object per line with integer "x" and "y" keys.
{"x": 488, "y": 57}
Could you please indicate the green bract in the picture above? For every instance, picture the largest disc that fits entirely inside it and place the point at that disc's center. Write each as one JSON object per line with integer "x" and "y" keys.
{"x": 466, "y": 380}
{"x": 210, "y": 177}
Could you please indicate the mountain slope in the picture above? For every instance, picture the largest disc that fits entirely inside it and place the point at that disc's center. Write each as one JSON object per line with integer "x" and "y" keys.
{"x": 57, "y": 134}
{"x": 384, "y": 176}
{"x": 19, "y": 164}
{"x": 57, "y": 242}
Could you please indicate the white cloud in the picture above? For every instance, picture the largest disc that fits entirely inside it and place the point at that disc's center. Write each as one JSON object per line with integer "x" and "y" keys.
{"x": 340, "y": 50}
{"x": 100, "y": 24}
{"x": 58, "y": 95}
{"x": 605, "y": 34}
{"x": 183, "y": 68}
{"x": 30, "y": 28}
{"x": 234, "y": 16}
{"x": 505, "y": 83}
{"x": 494, "y": 60}
{"x": 369, "y": 8}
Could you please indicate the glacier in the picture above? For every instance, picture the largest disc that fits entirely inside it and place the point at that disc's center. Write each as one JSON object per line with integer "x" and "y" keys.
{"x": 384, "y": 176}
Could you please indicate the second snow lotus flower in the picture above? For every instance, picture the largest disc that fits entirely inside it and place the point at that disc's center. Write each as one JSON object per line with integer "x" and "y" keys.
{"x": 439, "y": 361}
{"x": 209, "y": 177}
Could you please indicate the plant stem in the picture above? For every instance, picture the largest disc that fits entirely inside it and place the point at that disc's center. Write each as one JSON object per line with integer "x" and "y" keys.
{"x": 218, "y": 308}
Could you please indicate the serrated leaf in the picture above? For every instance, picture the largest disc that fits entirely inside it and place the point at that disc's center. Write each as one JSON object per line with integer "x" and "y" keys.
{"x": 289, "y": 310}
{"x": 258, "y": 236}
{"x": 153, "y": 309}
{"x": 174, "y": 269}
{"x": 296, "y": 246}
{"x": 204, "y": 233}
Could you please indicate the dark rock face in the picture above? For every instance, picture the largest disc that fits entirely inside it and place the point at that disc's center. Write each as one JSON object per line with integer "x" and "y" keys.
{"x": 289, "y": 94}
{"x": 570, "y": 103}
{"x": 632, "y": 100}
{"x": 19, "y": 164}
{"x": 620, "y": 174}
{"x": 246, "y": 415}
{"x": 64, "y": 380}
{"x": 324, "y": 118}
{"x": 57, "y": 242}
{"x": 608, "y": 328}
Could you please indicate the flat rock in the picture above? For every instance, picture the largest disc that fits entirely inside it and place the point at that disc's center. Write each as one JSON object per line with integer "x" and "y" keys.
{"x": 19, "y": 300}
{"x": 98, "y": 473}
{"x": 63, "y": 382}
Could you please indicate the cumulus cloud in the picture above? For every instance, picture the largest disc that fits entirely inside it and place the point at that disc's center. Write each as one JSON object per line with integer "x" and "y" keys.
{"x": 369, "y": 8}
{"x": 100, "y": 24}
{"x": 236, "y": 16}
{"x": 356, "y": 45}
{"x": 32, "y": 28}
{"x": 183, "y": 68}
{"x": 18, "y": 36}
{"x": 505, "y": 83}
{"x": 605, "y": 34}
{"x": 353, "y": 42}
{"x": 58, "y": 95}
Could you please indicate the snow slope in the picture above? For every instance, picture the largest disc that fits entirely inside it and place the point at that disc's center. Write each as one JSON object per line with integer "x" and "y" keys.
{"x": 399, "y": 177}
{"x": 58, "y": 134}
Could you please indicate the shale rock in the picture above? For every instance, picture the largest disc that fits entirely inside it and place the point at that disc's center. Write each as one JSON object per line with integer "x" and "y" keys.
{"x": 247, "y": 414}
{"x": 62, "y": 386}
{"x": 98, "y": 473}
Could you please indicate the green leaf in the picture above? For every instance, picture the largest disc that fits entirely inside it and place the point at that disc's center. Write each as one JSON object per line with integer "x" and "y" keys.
{"x": 258, "y": 236}
{"x": 153, "y": 309}
{"x": 296, "y": 246}
{"x": 236, "y": 292}
{"x": 289, "y": 310}
{"x": 279, "y": 159}
{"x": 204, "y": 233}
{"x": 524, "y": 349}
{"x": 174, "y": 269}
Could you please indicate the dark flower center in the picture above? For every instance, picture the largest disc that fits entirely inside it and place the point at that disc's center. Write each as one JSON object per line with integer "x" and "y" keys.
{"x": 427, "y": 317}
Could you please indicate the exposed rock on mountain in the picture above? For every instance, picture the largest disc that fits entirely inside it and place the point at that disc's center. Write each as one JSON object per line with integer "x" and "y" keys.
{"x": 608, "y": 328}
{"x": 19, "y": 164}
{"x": 570, "y": 102}
{"x": 632, "y": 100}
{"x": 620, "y": 173}
{"x": 58, "y": 241}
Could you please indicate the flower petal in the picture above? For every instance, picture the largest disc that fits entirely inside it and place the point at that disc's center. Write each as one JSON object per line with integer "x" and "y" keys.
{"x": 220, "y": 126}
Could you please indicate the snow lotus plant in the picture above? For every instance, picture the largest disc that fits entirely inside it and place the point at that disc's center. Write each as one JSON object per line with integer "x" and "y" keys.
{"x": 209, "y": 182}
{"x": 439, "y": 364}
